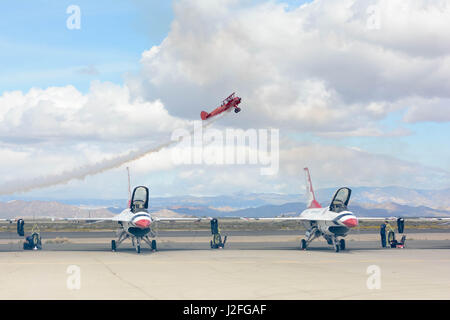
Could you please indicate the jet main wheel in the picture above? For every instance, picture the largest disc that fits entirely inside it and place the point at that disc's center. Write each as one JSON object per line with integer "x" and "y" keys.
{"x": 113, "y": 245}
{"x": 342, "y": 244}
{"x": 223, "y": 243}
{"x": 154, "y": 245}
{"x": 303, "y": 244}
{"x": 138, "y": 248}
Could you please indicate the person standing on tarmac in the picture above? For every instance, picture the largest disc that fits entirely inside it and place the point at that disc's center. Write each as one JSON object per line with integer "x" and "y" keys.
{"x": 383, "y": 234}
{"x": 383, "y": 228}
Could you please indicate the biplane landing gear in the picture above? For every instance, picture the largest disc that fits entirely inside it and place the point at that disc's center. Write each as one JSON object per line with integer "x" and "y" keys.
{"x": 237, "y": 110}
{"x": 216, "y": 241}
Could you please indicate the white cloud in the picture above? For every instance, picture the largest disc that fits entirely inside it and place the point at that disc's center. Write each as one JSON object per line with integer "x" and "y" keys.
{"x": 331, "y": 166}
{"x": 434, "y": 110}
{"x": 317, "y": 68}
{"x": 314, "y": 68}
{"x": 106, "y": 112}
{"x": 334, "y": 165}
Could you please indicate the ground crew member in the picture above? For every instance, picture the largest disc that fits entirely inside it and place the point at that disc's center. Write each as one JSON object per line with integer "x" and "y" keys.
{"x": 383, "y": 234}
{"x": 389, "y": 227}
{"x": 383, "y": 230}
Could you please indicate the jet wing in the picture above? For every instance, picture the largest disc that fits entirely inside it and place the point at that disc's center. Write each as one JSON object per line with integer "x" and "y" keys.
{"x": 161, "y": 219}
{"x": 375, "y": 218}
{"x": 427, "y": 219}
{"x": 418, "y": 219}
{"x": 276, "y": 219}
{"x": 118, "y": 218}
{"x": 88, "y": 220}
{"x": 156, "y": 219}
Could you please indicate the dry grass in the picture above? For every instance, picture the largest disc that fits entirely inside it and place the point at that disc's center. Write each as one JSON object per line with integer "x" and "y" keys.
{"x": 57, "y": 240}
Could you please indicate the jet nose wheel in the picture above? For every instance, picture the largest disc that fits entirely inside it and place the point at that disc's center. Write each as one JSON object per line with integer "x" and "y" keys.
{"x": 113, "y": 245}
{"x": 154, "y": 245}
{"x": 336, "y": 247}
{"x": 138, "y": 248}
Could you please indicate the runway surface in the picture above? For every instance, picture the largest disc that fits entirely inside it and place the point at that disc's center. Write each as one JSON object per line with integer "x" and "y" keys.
{"x": 250, "y": 267}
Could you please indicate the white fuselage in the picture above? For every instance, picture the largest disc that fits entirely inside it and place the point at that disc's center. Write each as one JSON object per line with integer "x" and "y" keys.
{"x": 135, "y": 224}
{"x": 329, "y": 222}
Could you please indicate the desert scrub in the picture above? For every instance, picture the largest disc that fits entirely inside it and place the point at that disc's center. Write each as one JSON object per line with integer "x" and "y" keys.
{"x": 57, "y": 240}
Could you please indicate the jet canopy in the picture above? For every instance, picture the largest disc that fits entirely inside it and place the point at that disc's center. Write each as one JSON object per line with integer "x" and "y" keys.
{"x": 139, "y": 200}
{"x": 340, "y": 200}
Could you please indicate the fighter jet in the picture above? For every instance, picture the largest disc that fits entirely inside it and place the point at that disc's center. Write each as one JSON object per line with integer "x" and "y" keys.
{"x": 332, "y": 222}
{"x": 135, "y": 222}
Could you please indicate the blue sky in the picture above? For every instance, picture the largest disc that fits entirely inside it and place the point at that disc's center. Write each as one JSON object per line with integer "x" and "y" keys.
{"x": 426, "y": 142}
{"x": 37, "y": 49}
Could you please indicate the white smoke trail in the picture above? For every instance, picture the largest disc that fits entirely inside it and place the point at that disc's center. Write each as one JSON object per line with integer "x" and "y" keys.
{"x": 90, "y": 169}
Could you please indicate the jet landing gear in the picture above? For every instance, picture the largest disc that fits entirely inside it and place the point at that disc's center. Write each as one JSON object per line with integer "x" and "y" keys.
{"x": 303, "y": 244}
{"x": 136, "y": 242}
{"x": 311, "y": 234}
{"x": 151, "y": 243}
{"x": 138, "y": 245}
{"x": 338, "y": 245}
{"x": 314, "y": 233}
{"x": 342, "y": 244}
{"x": 216, "y": 241}
{"x": 122, "y": 237}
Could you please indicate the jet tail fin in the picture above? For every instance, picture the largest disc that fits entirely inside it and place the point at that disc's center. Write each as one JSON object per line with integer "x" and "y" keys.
{"x": 311, "y": 198}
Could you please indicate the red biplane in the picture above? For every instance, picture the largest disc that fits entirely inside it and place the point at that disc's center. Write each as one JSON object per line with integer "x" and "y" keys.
{"x": 231, "y": 102}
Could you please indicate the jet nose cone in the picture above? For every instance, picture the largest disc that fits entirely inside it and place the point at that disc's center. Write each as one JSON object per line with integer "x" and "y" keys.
{"x": 142, "y": 223}
{"x": 350, "y": 222}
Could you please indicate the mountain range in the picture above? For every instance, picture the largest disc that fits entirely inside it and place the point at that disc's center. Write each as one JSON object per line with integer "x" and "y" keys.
{"x": 365, "y": 201}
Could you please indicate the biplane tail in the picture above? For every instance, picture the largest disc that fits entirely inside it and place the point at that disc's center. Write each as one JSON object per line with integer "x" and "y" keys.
{"x": 204, "y": 115}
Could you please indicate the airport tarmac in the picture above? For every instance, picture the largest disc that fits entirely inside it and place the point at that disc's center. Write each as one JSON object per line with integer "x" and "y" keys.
{"x": 268, "y": 266}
